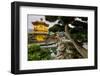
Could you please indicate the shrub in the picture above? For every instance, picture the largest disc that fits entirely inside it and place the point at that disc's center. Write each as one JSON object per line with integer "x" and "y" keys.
{"x": 35, "y": 52}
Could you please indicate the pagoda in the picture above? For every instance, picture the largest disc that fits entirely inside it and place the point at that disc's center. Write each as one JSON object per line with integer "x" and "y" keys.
{"x": 40, "y": 31}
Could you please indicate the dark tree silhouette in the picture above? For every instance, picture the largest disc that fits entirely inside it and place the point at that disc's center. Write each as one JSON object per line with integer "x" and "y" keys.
{"x": 56, "y": 28}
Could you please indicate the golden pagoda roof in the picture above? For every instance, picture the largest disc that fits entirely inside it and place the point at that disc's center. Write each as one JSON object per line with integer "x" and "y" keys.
{"x": 40, "y": 22}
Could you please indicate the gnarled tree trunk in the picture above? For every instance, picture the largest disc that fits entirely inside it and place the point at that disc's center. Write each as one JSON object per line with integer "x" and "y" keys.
{"x": 80, "y": 49}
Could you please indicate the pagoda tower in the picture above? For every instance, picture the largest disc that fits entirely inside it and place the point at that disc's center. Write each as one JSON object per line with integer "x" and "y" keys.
{"x": 40, "y": 30}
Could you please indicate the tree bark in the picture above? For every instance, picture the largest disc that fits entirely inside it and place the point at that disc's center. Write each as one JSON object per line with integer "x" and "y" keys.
{"x": 80, "y": 49}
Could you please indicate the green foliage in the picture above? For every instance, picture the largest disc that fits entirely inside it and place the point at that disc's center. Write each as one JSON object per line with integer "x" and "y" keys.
{"x": 35, "y": 52}
{"x": 32, "y": 52}
{"x": 81, "y": 37}
{"x": 79, "y": 33}
{"x": 45, "y": 54}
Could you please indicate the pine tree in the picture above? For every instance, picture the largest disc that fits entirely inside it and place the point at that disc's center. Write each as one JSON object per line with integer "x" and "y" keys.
{"x": 77, "y": 34}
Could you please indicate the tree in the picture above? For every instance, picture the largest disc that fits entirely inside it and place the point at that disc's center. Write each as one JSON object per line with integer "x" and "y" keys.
{"x": 35, "y": 52}
{"x": 79, "y": 33}
{"x": 56, "y": 28}
{"x": 72, "y": 34}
